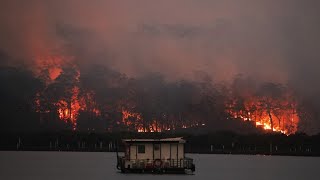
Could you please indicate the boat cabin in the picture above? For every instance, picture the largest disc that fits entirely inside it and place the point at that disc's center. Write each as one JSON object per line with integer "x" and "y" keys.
{"x": 155, "y": 155}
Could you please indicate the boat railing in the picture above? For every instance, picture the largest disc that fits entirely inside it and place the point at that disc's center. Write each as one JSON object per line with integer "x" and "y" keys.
{"x": 161, "y": 163}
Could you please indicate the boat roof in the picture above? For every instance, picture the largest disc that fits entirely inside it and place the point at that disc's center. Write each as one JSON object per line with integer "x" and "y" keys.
{"x": 176, "y": 139}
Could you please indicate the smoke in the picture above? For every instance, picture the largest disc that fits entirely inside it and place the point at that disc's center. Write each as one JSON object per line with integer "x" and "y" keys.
{"x": 266, "y": 40}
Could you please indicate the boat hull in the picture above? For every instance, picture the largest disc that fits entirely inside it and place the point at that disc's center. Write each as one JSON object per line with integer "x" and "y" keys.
{"x": 183, "y": 166}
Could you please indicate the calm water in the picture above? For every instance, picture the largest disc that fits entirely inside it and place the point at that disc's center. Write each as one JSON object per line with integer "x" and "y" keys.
{"x": 96, "y": 166}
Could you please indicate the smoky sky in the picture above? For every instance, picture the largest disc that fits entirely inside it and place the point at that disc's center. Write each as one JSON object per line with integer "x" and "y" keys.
{"x": 268, "y": 40}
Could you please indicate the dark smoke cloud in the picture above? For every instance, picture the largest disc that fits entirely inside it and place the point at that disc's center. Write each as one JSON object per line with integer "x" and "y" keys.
{"x": 273, "y": 40}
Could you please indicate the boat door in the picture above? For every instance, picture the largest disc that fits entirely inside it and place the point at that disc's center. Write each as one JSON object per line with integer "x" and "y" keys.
{"x": 174, "y": 154}
{"x": 133, "y": 152}
{"x": 156, "y": 151}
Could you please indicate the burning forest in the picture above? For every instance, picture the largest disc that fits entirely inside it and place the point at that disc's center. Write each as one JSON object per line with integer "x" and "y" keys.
{"x": 271, "y": 107}
{"x": 101, "y": 99}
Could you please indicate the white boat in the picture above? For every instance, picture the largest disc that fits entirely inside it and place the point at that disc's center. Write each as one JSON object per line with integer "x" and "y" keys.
{"x": 155, "y": 156}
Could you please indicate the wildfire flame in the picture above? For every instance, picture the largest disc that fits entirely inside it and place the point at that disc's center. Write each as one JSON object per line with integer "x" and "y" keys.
{"x": 134, "y": 121}
{"x": 51, "y": 65}
{"x": 67, "y": 109}
{"x": 276, "y": 115}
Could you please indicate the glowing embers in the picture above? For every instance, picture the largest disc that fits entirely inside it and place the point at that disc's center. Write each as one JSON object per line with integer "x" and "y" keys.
{"x": 132, "y": 120}
{"x": 153, "y": 126}
{"x": 68, "y": 111}
{"x": 63, "y": 110}
{"x": 278, "y": 115}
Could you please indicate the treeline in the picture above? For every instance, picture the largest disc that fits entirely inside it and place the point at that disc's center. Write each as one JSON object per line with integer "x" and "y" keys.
{"x": 31, "y": 104}
{"x": 216, "y": 143}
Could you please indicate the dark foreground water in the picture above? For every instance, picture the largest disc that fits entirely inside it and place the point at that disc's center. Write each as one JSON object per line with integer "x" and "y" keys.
{"x": 101, "y": 166}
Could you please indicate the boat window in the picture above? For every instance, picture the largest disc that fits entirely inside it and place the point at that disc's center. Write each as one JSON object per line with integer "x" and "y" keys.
{"x": 141, "y": 149}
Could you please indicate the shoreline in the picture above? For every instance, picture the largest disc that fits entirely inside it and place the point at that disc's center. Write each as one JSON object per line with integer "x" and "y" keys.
{"x": 194, "y": 153}
{"x": 206, "y": 143}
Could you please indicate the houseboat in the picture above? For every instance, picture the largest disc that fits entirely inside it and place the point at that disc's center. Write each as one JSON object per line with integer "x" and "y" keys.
{"x": 155, "y": 156}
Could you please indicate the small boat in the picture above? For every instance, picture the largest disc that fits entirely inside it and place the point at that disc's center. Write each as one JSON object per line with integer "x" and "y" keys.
{"x": 155, "y": 156}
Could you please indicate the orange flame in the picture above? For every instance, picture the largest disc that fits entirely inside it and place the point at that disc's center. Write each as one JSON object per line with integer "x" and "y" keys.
{"x": 53, "y": 65}
{"x": 130, "y": 119}
{"x": 276, "y": 115}
{"x": 134, "y": 121}
{"x": 67, "y": 109}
